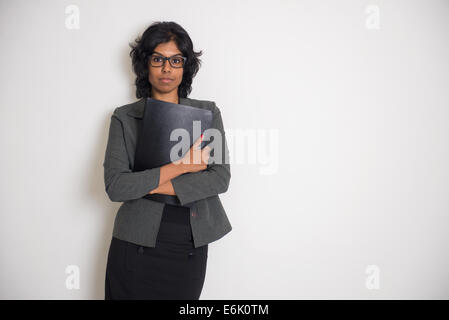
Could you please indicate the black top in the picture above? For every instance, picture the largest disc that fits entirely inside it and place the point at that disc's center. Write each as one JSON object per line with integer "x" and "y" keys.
{"x": 176, "y": 214}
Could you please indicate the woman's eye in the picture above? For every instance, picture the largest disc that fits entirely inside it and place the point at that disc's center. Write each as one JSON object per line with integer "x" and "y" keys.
{"x": 156, "y": 59}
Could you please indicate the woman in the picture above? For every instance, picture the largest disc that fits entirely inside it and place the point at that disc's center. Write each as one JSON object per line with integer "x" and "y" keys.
{"x": 159, "y": 250}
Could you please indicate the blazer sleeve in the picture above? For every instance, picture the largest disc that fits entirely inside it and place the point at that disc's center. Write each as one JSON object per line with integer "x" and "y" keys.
{"x": 193, "y": 186}
{"x": 121, "y": 183}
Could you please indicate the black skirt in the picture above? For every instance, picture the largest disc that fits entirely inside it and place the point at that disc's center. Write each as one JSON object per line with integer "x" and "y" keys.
{"x": 174, "y": 269}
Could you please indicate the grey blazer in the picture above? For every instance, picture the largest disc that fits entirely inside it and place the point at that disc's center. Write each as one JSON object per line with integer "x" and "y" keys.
{"x": 137, "y": 220}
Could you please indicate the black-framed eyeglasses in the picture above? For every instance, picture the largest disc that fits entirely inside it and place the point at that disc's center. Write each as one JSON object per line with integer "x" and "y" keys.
{"x": 176, "y": 61}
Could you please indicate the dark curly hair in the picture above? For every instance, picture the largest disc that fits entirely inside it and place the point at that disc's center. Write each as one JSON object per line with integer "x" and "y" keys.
{"x": 162, "y": 32}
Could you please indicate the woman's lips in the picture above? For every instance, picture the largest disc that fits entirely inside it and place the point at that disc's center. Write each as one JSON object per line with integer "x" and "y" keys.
{"x": 166, "y": 80}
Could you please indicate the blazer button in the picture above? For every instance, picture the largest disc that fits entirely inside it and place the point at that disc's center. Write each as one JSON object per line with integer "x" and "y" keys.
{"x": 140, "y": 249}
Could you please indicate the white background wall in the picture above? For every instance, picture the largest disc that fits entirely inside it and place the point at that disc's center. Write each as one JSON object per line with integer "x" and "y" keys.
{"x": 361, "y": 114}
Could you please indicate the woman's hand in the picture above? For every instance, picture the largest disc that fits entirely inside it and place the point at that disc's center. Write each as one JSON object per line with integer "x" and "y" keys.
{"x": 195, "y": 159}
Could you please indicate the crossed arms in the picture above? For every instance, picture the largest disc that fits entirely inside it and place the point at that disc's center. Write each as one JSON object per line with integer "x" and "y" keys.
{"x": 122, "y": 184}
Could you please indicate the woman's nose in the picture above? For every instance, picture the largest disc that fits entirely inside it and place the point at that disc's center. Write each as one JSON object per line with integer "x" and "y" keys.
{"x": 166, "y": 65}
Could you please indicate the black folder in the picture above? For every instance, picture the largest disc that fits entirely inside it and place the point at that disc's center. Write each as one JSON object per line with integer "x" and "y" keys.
{"x": 153, "y": 145}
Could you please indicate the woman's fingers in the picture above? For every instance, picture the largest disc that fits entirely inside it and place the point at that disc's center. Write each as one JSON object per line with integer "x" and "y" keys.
{"x": 197, "y": 142}
{"x": 205, "y": 154}
{"x": 197, "y": 158}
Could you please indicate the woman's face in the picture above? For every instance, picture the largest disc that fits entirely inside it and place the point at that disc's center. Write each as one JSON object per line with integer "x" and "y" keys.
{"x": 156, "y": 74}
